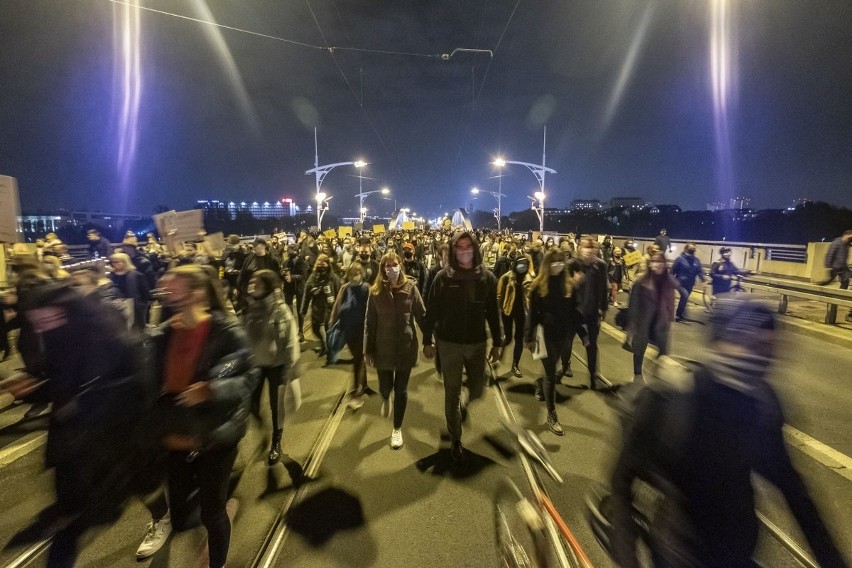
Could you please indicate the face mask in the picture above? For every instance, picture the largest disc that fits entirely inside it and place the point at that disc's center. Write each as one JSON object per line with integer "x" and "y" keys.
{"x": 521, "y": 268}
{"x": 464, "y": 256}
{"x": 556, "y": 268}
{"x": 393, "y": 273}
{"x": 364, "y": 256}
{"x": 408, "y": 254}
{"x": 322, "y": 269}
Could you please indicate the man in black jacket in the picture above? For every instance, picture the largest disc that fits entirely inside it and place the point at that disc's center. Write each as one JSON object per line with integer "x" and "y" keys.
{"x": 837, "y": 261}
{"x": 463, "y": 297}
{"x": 591, "y": 302}
{"x": 260, "y": 259}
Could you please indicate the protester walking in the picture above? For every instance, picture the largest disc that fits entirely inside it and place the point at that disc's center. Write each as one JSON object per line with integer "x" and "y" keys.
{"x": 390, "y": 338}
{"x": 686, "y": 268}
{"x": 513, "y": 296}
{"x": 320, "y": 292}
{"x": 350, "y": 309}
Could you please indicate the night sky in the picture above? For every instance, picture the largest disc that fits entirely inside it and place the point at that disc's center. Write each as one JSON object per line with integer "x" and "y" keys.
{"x": 632, "y": 101}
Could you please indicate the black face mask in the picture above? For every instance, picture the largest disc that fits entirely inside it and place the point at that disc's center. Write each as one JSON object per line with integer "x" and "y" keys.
{"x": 322, "y": 270}
{"x": 364, "y": 256}
{"x": 408, "y": 254}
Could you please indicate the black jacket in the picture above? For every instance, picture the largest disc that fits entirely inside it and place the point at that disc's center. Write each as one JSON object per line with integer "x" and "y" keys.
{"x": 460, "y": 302}
{"x": 593, "y": 290}
{"x": 837, "y": 257}
{"x": 557, "y": 314}
{"x": 226, "y": 365}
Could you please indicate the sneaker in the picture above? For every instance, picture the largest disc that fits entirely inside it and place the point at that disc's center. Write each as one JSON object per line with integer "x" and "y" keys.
{"x": 517, "y": 372}
{"x": 554, "y": 425}
{"x": 457, "y": 452}
{"x": 396, "y": 439}
{"x": 566, "y": 372}
{"x": 680, "y": 319}
{"x": 356, "y": 401}
{"x": 157, "y": 535}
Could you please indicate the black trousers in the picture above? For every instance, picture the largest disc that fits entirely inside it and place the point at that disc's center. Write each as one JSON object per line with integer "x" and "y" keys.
{"x": 209, "y": 473}
{"x": 396, "y": 381}
{"x": 593, "y": 325}
{"x": 514, "y": 323}
{"x": 275, "y": 377}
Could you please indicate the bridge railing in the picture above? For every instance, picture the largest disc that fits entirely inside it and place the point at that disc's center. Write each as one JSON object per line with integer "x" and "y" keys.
{"x": 831, "y": 297}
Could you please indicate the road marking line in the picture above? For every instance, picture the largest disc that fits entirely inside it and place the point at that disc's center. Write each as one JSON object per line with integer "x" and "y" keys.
{"x": 22, "y": 447}
{"x": 826, "y": 455}
{"x": 837, "y": 461}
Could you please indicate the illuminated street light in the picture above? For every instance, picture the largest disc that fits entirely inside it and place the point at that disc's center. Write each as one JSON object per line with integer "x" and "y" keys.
{"x": 320, "y": 172}
{"x": 538, "y": 170}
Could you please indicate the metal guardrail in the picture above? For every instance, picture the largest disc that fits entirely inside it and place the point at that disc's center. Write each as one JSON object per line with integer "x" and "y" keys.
{"x": 832, "y": 297}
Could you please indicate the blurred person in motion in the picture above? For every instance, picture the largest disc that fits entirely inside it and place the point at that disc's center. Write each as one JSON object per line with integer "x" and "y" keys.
{"x": 615, "y": 275}
{"x": 294, "y": 273}
{"x": 837, "y": 262}
{"x": 274, "y": 339}
{"x": 650, "y": 311}
{"x": 513, "y": 296}
{"x": 390, "y": 339}
{"x": 350, "y": 308}
{"x": 592, "y": 292}
{"x": 258, "y": 259}
{"x": 202, "y": 364}
{"x": 133, "y": 287}
{"x": 462, "y": 300}
{"x": 99, "y": 247}
{"x": 320, "y": 293}
{"x": 663, "y": 242}
{"x": 232, "y": 262}
{"x": 723, "y": 271}
{"x": 553, "y": 306}
{"x": 698, "y": 437}
{"x": 686, "y": 268}
{"x": 86, "y": 364}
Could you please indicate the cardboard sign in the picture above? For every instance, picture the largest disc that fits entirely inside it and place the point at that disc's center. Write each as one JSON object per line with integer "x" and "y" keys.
{"x": 378, "y": 229}
{"x": 408, "y": 225}
{"x": 632, "y": 258}
{"x": 215, "y": 243}
{"x": 330, "y": 233}
{"x": 10, "y": 210}
{"x": 344, "y": 232}
{"x": 180, "y": 225}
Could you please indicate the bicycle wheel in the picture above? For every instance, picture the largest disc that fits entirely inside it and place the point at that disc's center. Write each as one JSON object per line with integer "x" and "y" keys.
{"x": 518, "y": 529}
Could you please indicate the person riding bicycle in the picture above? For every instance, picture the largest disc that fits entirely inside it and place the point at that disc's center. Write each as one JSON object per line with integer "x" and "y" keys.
{"x": 723, "y": 271}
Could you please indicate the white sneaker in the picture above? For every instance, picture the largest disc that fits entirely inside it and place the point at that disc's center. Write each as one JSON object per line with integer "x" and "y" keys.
{"x": 157, "y": 535}
{"x": 396, "y": 439}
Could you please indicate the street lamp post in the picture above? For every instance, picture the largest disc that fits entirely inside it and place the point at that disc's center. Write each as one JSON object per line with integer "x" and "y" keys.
{"x": 539, "y": 211}
{"x": 320, "y": 172}
{"x": 497, "y": 194}
{"x": 363, "y": 195}
{"x": 538, "y": 171}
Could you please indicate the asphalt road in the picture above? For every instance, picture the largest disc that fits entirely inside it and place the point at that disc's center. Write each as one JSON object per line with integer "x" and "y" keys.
{"x": 369, "y": 505}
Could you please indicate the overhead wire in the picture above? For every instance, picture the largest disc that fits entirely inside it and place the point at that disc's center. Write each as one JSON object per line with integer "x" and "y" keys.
{"x": 484, "y": 77}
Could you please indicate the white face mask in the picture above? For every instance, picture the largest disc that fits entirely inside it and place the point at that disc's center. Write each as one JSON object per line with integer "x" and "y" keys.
{"x": 464, "y": 256}
{"x": 392, "y": 272}
{"x": 556, "y": 268}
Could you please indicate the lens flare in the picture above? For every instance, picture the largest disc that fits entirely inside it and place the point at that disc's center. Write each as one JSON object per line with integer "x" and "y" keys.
{"x": 723, "y": 73}
{"x": 128, "y": 68}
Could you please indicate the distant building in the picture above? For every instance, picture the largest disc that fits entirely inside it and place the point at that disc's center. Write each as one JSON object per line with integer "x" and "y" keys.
{"x": 739, "y": 203}
{"x": 587, "y": 205}
{"x": 716, "y": 206}
{"x": 265, "y": 210}
{"x": 629, "y": 202}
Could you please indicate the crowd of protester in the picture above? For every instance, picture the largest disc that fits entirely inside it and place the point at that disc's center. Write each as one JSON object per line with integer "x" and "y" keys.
{"x": 194, "y": 333}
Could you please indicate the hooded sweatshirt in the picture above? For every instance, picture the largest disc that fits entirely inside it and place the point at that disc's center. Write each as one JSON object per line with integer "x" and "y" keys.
{"x": 461, "y": 301}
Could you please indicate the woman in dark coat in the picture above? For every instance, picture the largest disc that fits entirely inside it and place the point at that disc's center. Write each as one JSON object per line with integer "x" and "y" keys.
{"x": 651, "y": 311}
{"x": 390, "y": 340}
{"x": 351, "y": 309}
{"x": 203, "y": 366}
{"x": 131, "y": 285}
{"x": 320, "y": 292}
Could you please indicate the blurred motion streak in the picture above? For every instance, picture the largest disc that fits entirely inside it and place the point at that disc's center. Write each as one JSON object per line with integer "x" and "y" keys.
{"x": 723, "y": 69}
{"x": 128, "y": 68}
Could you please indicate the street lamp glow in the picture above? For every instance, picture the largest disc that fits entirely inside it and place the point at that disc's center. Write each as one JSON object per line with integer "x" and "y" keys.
{"x": 363, "y": 210}
{"x": 359, "y": 163}
{"x": 385, "y": 191}
{"x": 320, "y": 197}
{"x": 499, "y": 162}
{"x": 539, "y": 195}
{"x": 475, "y": 191}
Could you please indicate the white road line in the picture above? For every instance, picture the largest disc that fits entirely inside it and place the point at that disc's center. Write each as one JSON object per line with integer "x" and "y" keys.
{"x": 22, "y": 447}
{"x": 837, "y": 461}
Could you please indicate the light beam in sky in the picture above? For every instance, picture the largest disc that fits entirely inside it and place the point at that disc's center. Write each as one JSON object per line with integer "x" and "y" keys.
{"x": 723, "y": 74}
{"x": 226, "y": 59}
{"x": 129, "y": 83}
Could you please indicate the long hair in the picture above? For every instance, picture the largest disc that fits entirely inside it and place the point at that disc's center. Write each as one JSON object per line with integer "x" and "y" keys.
{"x": 123, "y": 257}
{"x": 543, "y": 278}
{"x": 322, "y": 258}
{"x": 354, "y": 266}
{"x": 381, "y": 279}
{"x": 198, "y": 277}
